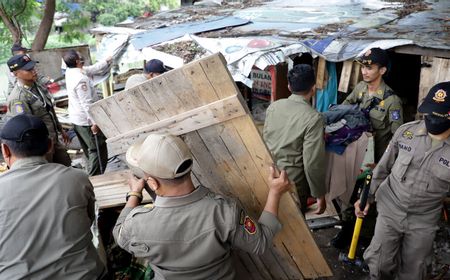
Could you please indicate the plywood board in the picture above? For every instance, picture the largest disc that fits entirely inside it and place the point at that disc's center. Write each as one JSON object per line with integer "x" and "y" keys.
{"x": 434, "y": 70}
{"x": 230, "y": 157}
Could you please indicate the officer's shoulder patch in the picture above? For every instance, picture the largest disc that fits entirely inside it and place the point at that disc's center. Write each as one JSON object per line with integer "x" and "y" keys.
{"x": 19, "y": 108}
{"x": 249, "y": 225}
{"x": 408, "y": 134}
{"x": 395, "y": 114}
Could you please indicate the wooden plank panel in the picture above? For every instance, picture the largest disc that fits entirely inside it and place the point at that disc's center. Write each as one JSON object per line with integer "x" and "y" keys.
{"x": 320, "y": 75}
{"x": 207, "y": 115}
{"x": 231, "y": 158}
{"x": 345, "y": 76}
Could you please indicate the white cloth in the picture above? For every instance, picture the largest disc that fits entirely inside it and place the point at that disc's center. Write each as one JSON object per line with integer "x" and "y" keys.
{"x": 342, "y": 170}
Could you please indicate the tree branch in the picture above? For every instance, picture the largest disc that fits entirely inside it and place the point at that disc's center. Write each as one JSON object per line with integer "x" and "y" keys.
{"x": 12, "y": 27}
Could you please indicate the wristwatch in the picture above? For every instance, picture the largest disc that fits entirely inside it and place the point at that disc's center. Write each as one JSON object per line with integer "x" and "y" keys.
{"x": 136, "y": 194}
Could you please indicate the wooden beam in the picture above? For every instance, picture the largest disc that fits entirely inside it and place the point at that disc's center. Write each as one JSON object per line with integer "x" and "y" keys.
{"x": 356, "y": 75}
{"x": 216, "y": 112}
{"x": 345, "y": 76}
{"x": 320, "y": 75}
{"x": 416, "y": 50}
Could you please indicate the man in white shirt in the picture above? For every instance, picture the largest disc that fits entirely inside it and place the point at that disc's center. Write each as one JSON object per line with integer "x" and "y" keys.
{"x": 82, "y": 94}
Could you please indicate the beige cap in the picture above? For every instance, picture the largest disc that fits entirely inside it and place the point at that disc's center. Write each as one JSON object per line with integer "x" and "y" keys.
{"x": 160, "y": 155}
{"x": 132, "y": 162}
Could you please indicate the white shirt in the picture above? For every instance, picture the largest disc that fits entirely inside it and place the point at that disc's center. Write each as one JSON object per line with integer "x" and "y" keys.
{"x": 81, "y": 93}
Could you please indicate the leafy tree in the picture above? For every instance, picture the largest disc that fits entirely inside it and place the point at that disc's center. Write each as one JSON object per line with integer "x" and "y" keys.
{"x": 17, "y": 16}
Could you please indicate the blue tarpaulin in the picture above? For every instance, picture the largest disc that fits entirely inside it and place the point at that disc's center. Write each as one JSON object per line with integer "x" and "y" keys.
{"x": 156, "y": 36}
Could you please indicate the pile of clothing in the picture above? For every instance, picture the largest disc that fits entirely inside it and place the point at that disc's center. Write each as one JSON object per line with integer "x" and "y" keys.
{"x": 345, "y": 124}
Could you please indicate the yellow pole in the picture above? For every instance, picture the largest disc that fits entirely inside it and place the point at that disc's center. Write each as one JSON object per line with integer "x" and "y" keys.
{"x": 356, "y": 231}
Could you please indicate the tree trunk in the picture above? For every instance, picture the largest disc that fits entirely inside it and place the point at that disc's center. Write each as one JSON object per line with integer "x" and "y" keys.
{"x": 45, "y": 27}
{"x": 15, "y": 30}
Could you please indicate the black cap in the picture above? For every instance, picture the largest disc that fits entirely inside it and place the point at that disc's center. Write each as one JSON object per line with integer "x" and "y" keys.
{"x": 20, "y": 62}
{"x": 24, "y": 126}
{"x": 18, "y": 47}
{"x": 154, "y": 66}
{"x": 374, "y": 56}
{"x": 437, "y": 101}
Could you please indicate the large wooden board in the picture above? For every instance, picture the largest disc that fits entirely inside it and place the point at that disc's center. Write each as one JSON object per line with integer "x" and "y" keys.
{"x": 230, "y": 157}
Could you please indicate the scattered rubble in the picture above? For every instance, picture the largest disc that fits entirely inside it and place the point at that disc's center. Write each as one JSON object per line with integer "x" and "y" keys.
{"x": 412, "y": 6}
{"x": 187, "y": 50}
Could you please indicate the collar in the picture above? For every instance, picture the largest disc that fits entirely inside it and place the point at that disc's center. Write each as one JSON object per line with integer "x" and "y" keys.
{"x": 175, "y": 201}
{"x": 421, "y": 130}
{"x": 75, "y": 69}
{"x": 28, "y": 161}
{"x": 298, "y": 98}
{"x": 380, "y": 91}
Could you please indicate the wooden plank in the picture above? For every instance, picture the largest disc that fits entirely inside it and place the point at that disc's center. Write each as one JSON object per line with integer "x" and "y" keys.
{"x": 111, "y": 188}
{"x": 218, "y": 76}
{"x": 429, "y": 76}
{"x": 108, "y": 128}
{"x": 356, "y": 75}
{"x": 115, "y": 114}
{"x": 416, "y": 50}
{"x": 309, "y": 259}
{"x": 200, "y": 83}
{"x": 157, "y": 94}
{"x": 345, "y": 76}
{"x": 136, "y": 107}
{"x": 320, "y": 75}
{"x": 231, "y": 159}
{"x": 207, "y": 115}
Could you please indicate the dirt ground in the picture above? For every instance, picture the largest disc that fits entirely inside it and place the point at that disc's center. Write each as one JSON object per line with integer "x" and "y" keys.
{"x": 440, "y": 262}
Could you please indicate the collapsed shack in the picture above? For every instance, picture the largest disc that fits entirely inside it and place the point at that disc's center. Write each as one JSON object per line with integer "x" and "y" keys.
{"x": 261, "y": 42}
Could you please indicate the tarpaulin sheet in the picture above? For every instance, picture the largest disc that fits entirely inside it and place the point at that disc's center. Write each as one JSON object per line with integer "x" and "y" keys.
{"x": 156, "y": 36}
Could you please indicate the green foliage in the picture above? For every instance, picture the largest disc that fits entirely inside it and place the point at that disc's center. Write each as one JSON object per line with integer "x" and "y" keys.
{"x": 115, "y": 11}
{"x": 76, "y": 25}
{"x": 107, "y": 19}
{"x": 21, "y": 14}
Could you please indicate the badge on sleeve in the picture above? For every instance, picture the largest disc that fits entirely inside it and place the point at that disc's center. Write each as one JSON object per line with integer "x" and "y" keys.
{"x": 408, "y": 134}
{"x": 249, "y": 225}
{"x": 19, "y": 108}
{"x": 83, "y": 86}
{"x": 395, "y": 115}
